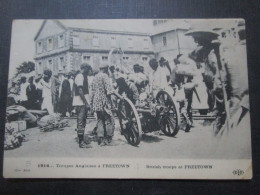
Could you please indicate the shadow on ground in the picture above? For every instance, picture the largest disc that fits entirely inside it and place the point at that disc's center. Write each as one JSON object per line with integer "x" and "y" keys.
{"x": 150, "y": 138}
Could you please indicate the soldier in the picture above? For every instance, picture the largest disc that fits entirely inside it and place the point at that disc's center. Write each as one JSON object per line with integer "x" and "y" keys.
{"x": 184, "y": 72}
{"x": 207, "y": 53}
{"x": 80, "y": 102}
{"x": 101, "y": 103}
{"x": 234, "y": 58}
{"x": 128, "y": 88}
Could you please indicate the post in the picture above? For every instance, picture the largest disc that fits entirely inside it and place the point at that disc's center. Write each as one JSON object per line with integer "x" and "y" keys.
{"x": 178, "y": 41}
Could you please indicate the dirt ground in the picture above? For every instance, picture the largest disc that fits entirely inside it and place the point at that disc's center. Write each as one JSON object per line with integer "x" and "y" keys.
{"x": 197, "y": 144}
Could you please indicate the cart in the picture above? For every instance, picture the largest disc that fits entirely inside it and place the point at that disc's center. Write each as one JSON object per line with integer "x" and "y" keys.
{"x": 161, "y": 113}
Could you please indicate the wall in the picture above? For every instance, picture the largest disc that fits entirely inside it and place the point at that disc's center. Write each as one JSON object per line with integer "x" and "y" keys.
{"x": 55, "y": 63}
{"x": 56, "y": 47}
{"x": 76, "y": 58}
{"x": 104, "y": 39}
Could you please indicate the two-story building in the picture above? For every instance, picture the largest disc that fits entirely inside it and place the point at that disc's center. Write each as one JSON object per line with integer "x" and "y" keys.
{"x": 169, "y": 39}
{"x": 62, "y": 48}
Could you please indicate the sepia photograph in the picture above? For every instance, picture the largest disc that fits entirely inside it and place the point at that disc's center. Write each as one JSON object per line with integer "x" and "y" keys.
{"x": 128, "y": 98}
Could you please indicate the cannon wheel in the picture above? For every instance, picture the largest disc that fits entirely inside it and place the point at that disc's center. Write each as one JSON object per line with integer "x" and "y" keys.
{"x": 170, "y": 121}
{"x": 129, "y": 122}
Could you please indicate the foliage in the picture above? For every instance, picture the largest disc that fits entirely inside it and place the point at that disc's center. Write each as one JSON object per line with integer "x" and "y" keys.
{"x": 25, "y": 67}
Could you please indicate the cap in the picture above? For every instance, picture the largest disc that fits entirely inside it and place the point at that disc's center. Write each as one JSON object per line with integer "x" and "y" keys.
{"x": 162, "y": 59}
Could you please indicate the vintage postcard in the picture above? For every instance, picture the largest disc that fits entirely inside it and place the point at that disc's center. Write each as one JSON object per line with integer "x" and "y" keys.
{"x": 128, "y": 98}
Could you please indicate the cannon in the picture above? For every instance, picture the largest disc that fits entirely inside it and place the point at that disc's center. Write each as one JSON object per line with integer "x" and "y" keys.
{"x": 160, "y": 113}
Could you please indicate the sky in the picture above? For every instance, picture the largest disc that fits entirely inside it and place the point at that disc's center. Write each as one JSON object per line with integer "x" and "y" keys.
{"x": 22, "y": 42}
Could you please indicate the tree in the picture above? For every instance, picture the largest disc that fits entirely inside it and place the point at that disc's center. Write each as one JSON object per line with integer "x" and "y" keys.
{"x": 25, "y": 67}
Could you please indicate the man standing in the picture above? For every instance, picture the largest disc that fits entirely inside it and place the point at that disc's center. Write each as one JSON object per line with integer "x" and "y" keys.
{"x": 55, "y": 84}
{"x": 38, "y": 86}
{"x": 31, "y": 93}
{"x": 101, "y": 104}
{"x": 23, "y": 97}
{"x": 45, "y": 82}
{"x": 65, "y": 96}
{"x": 80, "y": 102}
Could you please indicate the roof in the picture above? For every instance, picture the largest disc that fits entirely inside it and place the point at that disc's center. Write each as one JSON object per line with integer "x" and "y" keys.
{"x": 117, "y": 26}
{"x": 143, "y": 26}
{"x": 109, "y": 31}
{"x": 43, "y": 24}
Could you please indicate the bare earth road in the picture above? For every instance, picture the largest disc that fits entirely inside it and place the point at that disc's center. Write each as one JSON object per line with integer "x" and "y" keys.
{"x": 197, "y": 144}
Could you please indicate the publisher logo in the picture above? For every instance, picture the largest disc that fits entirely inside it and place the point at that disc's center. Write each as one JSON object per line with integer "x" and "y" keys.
{"x": 238, "y": 172}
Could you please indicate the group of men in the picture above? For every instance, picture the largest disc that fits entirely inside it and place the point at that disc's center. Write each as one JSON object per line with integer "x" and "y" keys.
{"x": 94, "y": 95}
{"x": 46, "y": 92}
{"x": 225, "y": 75}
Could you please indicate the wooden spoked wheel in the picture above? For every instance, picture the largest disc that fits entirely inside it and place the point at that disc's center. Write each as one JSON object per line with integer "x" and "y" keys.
{"x": 129, "y": 122}
{"x": 170, "y": 119}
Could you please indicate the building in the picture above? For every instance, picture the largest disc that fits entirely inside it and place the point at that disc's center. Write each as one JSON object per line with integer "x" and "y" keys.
{"x": 62, "y": 48}
{"x": 169, "y": 39}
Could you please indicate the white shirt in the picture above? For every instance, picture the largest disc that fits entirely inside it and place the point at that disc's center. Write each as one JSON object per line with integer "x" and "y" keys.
{"x": 77, "y": 101}
{"x": 158, "y": 79}
{"x": 46, "y": 88}
{"x": 71, "y": 84}
{"x": 23, "y": 96}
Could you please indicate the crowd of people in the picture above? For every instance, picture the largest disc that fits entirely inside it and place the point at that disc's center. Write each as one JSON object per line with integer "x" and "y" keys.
{"x": 45, "y": 92}
{"x": 92, "y": 90}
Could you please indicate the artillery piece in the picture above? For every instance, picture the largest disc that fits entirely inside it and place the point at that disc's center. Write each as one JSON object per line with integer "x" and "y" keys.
{"x": 160, "y": 113}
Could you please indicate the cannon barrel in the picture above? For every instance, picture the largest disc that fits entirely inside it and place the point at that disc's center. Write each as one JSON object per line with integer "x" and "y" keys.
{"x": 154, "y": 110}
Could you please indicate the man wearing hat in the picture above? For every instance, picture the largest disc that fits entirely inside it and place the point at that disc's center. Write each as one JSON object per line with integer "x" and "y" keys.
{"x": 81, "y": 104}
{"x": 235, "y": 60}
{"x": 204, "y": 54}
{"x": 101, "y": 104}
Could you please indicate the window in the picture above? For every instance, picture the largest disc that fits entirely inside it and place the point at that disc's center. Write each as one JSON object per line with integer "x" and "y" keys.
{"x": 104, "y": 58}
{"x": 130, "y": 43}
{"x": 61, "y": 40}
{"x": 76, "y": 40}
{"x": 62, "y": 64}
{"x": 49, "y": 44}
{"x": 95, "y": 41}
{"x": 113, "y": 41}
{"x": 40, "y": 68}
{"x": 125, "y": 58}
{"x": 144, "y": 58}
{"x": 39, "y": 47}
{"x": 49, "y": 66}
{"x": 86, "y": 58}
{"x": 146, "y": 44}
{"x": 164, "y": 40}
